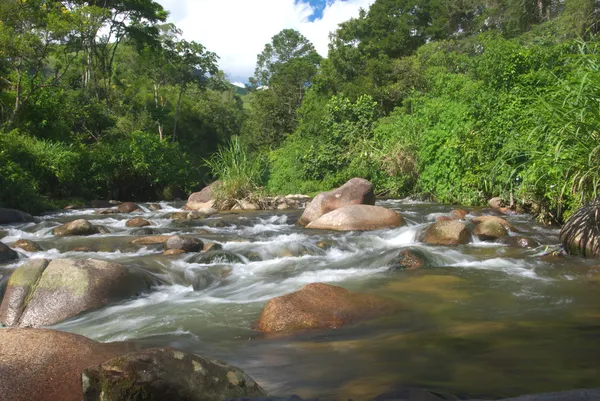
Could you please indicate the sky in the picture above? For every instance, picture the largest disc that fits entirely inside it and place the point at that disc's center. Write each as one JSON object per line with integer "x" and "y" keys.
{"x": 237, "y": 30}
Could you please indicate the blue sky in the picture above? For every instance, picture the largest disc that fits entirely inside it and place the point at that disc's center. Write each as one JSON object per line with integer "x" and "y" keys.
{"x": 237, "y": 30}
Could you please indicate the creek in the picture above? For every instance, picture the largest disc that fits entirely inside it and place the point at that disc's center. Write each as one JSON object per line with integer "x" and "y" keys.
{"x": 484, "y": 320}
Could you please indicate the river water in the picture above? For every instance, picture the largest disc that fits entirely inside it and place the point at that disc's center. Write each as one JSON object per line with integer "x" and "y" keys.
{"x": 481, "y": 320}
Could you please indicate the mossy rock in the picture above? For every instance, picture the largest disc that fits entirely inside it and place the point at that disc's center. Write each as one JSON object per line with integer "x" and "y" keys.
{"x": 42, "y": 293}
{"x": 212, "y": 257}
{"x": 166, "y": 374}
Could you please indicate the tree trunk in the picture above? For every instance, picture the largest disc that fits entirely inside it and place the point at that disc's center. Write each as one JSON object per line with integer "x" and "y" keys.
{"x": 177, "y": 112}
{"x": 156, "y": 104}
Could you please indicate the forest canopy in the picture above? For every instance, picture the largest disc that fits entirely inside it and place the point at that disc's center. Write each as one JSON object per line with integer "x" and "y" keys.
{"x": 454, "y": 101}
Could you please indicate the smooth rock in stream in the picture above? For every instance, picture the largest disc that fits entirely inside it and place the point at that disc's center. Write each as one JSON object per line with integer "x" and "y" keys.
{"x": 202, "y": 199}
{"x": 46, "y": 365}
{"x": 7, "y": 254}
{"x": 151, "y": 240}
{"x": 42, "y": 292}
{"x": 8, "y": 216}
{"x": 496, "y": 203}
{"x": 166, "y": 374}
{"x": 186, "y": 243}
{"x": 499, "y": 220}
{"x": 173, "y": 252}
{"x": 490, "y": 230}
{"x": 447, "y": 233}
{"x": 358, "y": 218}
{"x": 459, "y": 214}
{"x": 80, "y": 227}
{"x": 357, "y": 191}
{"x": 580, "y": 235}
{"x": 519, "y": 242}
{"x": 27, "y": 245}
{"x": 137, "y": 222}
{"x": 319, "y": 306}
{"x": 128, "y": 207}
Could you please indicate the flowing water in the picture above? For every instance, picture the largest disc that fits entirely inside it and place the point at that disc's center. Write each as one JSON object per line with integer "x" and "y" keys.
{"x": 480, "y": 320}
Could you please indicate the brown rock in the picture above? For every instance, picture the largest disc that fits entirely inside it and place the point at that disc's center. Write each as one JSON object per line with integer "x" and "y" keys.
{"x": 173, "y": 252}
{"x": 358, "y": 218}
{"x": 447, "y": 233}
{"x": 319, "y": 306}
{"x": 138, "y": 222}
{"x": 244, "y": 204}
{"x": 325, "y": 245}
{"x": 459, "y": 214}
{"x": 202, "y": 199}
{"x": 27, "y": 245}
{"x": 42, "y": 293}
{"x": 496, "y": 203}
{"x": 46, "y": 365}
{"x": 357, "y": 191}
{"x": 444, "y": 218}
{"x": 499, "y": 220}
{"x": 128, "y": 207}
{"x": 151, "y": 240}
{"x": 80, "y": 227}
{"x": 490, "y": 230}
{"x": 167, "y": 374}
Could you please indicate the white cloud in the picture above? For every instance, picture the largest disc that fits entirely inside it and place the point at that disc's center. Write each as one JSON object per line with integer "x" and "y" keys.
{"x": 238, "y": 84}
{"x": 237, "y": 30}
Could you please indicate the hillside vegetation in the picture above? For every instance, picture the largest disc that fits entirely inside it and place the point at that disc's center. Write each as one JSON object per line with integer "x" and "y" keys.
{"x": 454, "y": 101}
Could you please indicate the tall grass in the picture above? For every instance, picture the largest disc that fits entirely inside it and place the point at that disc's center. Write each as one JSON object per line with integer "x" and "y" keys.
{"x": 240, "y": 173}
{"x": 563, "y": 166}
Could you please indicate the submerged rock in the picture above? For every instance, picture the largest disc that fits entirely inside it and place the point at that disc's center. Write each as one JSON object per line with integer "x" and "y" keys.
{"x": 27, "y": 245}
{"x": 459, "y": 214}
{"x": 166, "y": 374}
{"x": 42, "y": 292}
{"x": 128, "y": 207}
{"x": 137, "y": 222}
{"x": 490, "y": 230}
{"x": 151, "y": 240}
{"x": 7, "y": 254}
{"x": 319, "y": 306}
{"x": 186, "y": 243}
{"x": 217, "y": 256}
{"x": 212, "y": 246}
{"x": 519, "y": 242}
{"x": 447, "y": 233}
{"x": 46, "y": 365}
{"x": 8, "y": 216}
{"x": 357, "y": 191}
{"x": 358, "y": 218}
{"x": 410, "y": 259}
{"x": 580, "y": 235}
{"x": 145, "y": 231}
{"x": 173, "y": 252}
{"x": 154, "y": 206}
{"x": 80, "y": 227}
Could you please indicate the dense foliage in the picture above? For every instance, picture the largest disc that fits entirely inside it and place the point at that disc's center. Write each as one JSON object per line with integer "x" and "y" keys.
{"x": 456, "y": 101}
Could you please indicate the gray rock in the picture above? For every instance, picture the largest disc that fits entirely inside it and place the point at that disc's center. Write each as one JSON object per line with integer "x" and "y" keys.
{"x": 7, "y": 254}
{"x": 185, "y": 243}
{"x": 8, "y": 216}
